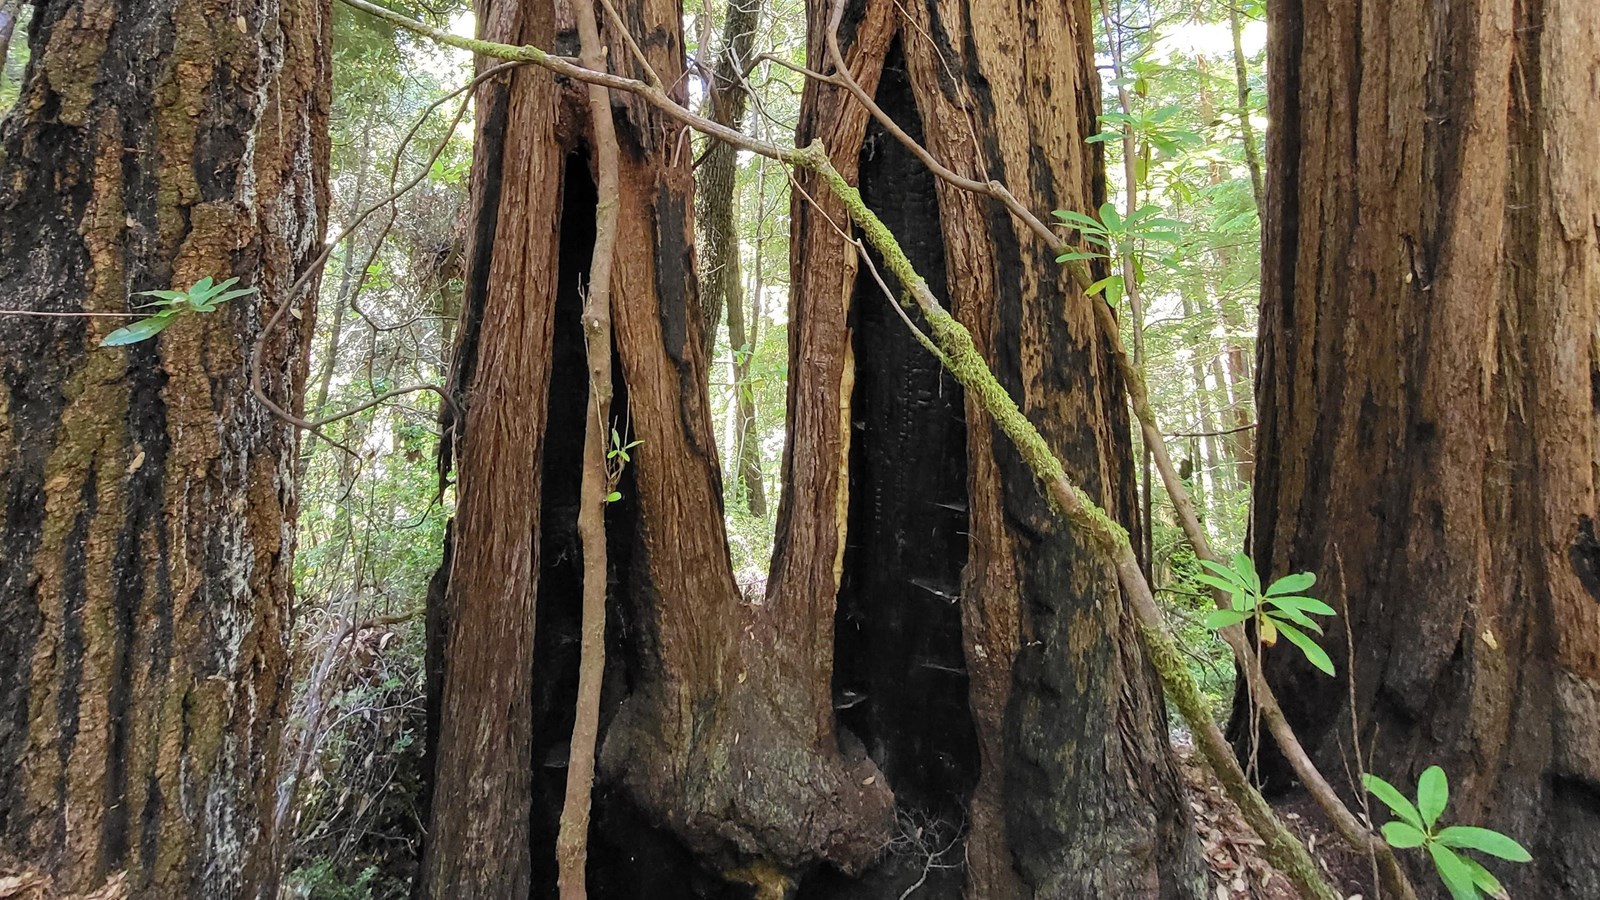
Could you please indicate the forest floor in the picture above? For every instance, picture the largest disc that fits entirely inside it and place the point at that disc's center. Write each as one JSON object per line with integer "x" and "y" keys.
{"x": 1233, "y": 852}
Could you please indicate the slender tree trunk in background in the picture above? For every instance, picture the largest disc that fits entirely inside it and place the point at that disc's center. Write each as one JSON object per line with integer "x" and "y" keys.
{"x": 746, "y": 447}
{"x": 149, "y": 499}
{"x": 721, "y": 286}
{"x": 9, "y": 11}
{"x": 959, "y": 592}
{"x": 1241, "y": 80}
{"x": 1209, "y": 465}
{"x": 1429, "y": 365}
{"x": 716, "y": 185}
{"x": 1231, "y": 371}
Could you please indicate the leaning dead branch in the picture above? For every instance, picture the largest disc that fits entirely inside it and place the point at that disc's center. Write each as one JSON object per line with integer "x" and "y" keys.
{"x": 572, "y": 840}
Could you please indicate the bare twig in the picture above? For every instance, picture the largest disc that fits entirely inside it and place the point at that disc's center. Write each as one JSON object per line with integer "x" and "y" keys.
{"x": 292, "y": 295}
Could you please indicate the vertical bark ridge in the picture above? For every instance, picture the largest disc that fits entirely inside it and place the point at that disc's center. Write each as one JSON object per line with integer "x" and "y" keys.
{"x": 1430, "y": 300}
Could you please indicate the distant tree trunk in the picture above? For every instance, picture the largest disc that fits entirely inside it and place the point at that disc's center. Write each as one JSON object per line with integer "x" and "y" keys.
{"x": 746, "y": 442}
{"x": 1428, "y": 390}
{"x": 960, "y": 594}
{"x": 721, "y": 286}
{"x": 149, "y": 498}
{"x": 9, "y": 11}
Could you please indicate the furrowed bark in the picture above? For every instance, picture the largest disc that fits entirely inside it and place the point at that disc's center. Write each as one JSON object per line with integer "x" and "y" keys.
{"x": 478, "y": 841}
{"x": 1431, "y": 294}
{"x": 149, "y": 499}
{"x": 1010, "y": 632}
{"x": 974, "y": 370}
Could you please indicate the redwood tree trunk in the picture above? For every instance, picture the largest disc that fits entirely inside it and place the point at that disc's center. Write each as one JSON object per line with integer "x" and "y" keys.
{"x": 1429, "y": 379}
{"x": 984, "y": 655}
{"x": 149, "y": 499}
{"x": 718, "y": 752}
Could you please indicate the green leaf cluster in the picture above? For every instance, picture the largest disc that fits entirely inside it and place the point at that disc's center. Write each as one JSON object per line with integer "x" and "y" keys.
{"x": 1416, "y": 826}
{"x": 203, "y": 297}
{"x": 1281, "y": 608}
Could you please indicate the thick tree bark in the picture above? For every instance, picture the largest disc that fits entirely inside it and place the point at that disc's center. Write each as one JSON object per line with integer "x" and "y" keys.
{"x": 1428, "y": 394}
{"x": 985, "y": 655}
{"x": 149, "y": 498}
{"x": 481, "y": 784}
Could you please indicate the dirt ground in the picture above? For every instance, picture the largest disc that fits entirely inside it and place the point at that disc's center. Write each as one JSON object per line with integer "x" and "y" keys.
{"x": 1233, "y": 852}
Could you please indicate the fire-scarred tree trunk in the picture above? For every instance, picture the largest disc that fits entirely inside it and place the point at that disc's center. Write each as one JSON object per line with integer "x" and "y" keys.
{"x": 1430, "y": 377}
{"x": 149, "y": 498}
{"x": 984, "y": 654}
{"x": 717, "y": 719}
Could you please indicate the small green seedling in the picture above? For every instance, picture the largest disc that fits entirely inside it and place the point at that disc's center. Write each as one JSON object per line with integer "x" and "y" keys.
{"x": 1280, "y": 609}
{"x": 619, "y": 450}
{"x": 616, "y": 459}
{"x": 203, "y": 297}
{"x": 1416, "y": 824}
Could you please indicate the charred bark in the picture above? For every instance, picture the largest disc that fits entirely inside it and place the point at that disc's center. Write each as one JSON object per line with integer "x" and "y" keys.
{"x": 965, "y": 657}
{"x": 149, "y": 499}
{"x": 1428, "y": 371}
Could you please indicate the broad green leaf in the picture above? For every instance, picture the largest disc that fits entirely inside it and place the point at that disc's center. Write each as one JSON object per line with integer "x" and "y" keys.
{"x": 142, "y": 330}
{"x": 1102, "y": 284}
{"x": 1079, "y": 255}
{"x": 1293, "y": 615}
{"x": 1483, "y": 840}
{"x": 169, "y": 296}
{"x": 225, "y": 296}
{"x": 202, "y": 286}
{"x": 1227, "y": 587}
{"x": 614, "y": 496}
{"x": 1079, "y": 220}
{"x": 1226, "y": 572}
{"x": 1402, "y": 836}
{"x": 1433, "y": 795}
{"x": 1218, "y": 619}
{"x": 1484, "y": 880}
{"x": 1308, "y": 646}
{"x": 1392, "y": 798}
{"x": 1102, "y": 137}
{"x": 1292, "y": 584}
{"x": 1247, "y": 569}
{"x": 1454, "y": 872}
{"x": 1111, "y": 218}
{"x": 1304, "y": 604}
